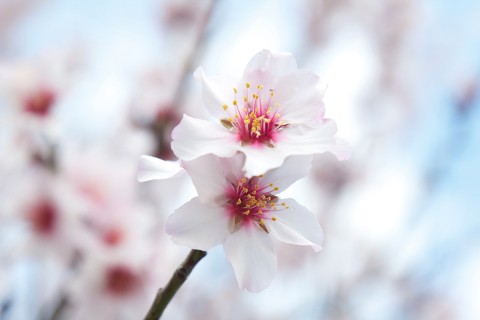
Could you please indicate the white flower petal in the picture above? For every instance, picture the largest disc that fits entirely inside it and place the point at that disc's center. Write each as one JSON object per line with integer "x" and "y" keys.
{"x": 305, "y": 139}
{"x": 195, "y": 137}
{"x": 151, "y": 168}
{"x": 217, "y": 92}
{"x": 259, "y": 159}
{"x": 278, "y": 64}
{"x": 296, "y": 225}
{"x": 300, "y": 97}
{"x": 266, "y": 68}
{"x": 204, "y": 172}
{"x": 251, "y": 252}
{"x": 293, "y": 169}
{"x": 197, "y": 225}
{"x": 232, "y": 168}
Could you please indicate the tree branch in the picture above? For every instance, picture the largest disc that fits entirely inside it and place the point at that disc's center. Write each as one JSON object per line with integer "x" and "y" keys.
{"x": 166, "y": 294}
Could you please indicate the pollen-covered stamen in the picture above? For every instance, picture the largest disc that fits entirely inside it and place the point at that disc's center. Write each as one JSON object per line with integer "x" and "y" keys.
{"x": 250, "y": 200}
{"x": 255, "y": 121}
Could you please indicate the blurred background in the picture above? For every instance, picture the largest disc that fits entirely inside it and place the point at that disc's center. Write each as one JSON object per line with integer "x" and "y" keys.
{"x": 86, "y": 87}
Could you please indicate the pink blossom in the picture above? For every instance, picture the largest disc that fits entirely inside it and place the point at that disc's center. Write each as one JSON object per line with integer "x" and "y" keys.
{"x": 106, "y": 185}
{"x": 32, "y": 88}
{"x": 113, "y": 285}
{"x": 275, "y": 111}
{"x": 239, "y": 211}
{"x": 50, "y": 212}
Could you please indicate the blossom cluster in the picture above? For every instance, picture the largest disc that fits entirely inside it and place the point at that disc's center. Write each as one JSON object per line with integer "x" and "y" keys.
{"x": 72, "y": 209}
{"x": 260, "y": 137}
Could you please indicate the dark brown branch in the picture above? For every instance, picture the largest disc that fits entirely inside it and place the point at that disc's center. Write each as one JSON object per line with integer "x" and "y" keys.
{"x": 166, "y": 294}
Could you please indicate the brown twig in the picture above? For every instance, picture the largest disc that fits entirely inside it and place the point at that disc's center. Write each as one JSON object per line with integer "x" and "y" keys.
{"x": 166, "y": 294}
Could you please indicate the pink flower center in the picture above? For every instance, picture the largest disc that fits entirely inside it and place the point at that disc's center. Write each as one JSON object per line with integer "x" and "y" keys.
{"x": 250, "y": 201}
{"x": 255, "y": 122}
{"x": 43, "y": 217}
{"x": 121, "y": 280}
{"x": 112, "y": 236}
{"x": 40, "y": 102}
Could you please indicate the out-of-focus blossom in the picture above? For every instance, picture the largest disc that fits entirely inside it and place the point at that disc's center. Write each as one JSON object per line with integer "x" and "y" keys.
{"x": 51, "y": 212}
{"x": 106, "y": 184}
{"x": 153, "y": 108}
{"x": 241, "y": 212}
{"x": 275, "y": 111}
{"x": 33, "y": 87}
{"x": 114, "y": 274}
{"x": 152, "y": 95}
{"x": 105, "y": 181}
{"x": 30, "y": 91}
{"x": 113, "y": 285}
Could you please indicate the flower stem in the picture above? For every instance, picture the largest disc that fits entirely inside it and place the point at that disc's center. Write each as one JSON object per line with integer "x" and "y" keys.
{"x": 166, "y": 294}
{"x": 59, "y": 308}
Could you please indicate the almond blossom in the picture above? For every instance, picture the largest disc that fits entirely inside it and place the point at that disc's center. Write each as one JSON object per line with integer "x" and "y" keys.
{"x": 50, "y": 213}
{"x": 33, "y": 88}
{"x": 276, "y": 110}
{"x": 241, "y": 212}
{"x": 113, "y": 285}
